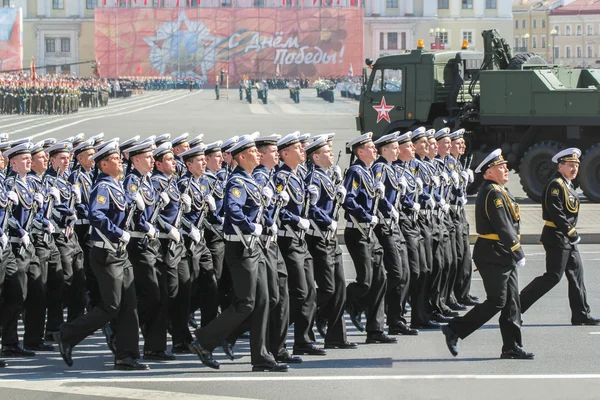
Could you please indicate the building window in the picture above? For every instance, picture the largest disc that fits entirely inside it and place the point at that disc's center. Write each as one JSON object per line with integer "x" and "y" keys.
{"x": 523, "y": 24}
{"x": 50, "y": 45}
{"x": 443, "y": 4}
{"x": 556, "y": 52}
{"x": 578, "y": 51}
{"x": 568, "y": 30}
{"x": 524, "y": 43}
{"x": 543, "y": 23}
{"x": 444, "y": 37}
{"x": 589, "y": 52}
{"x": 490, "y": 4}
{"x": 155, "y": 3}
{"x": 468, "y": 36}
{"x": 392, "y": 41}
{"x": 467, "y": 4}
{"x": 578, "y": 30}
{"x": 65, "y": 45}
{"x": 534, "y": 23}
{"x": 516, "y": 24}
{"x": 381, "y": 40}
{"x": 5, "y": 3}
{"x": 58, "y": 4}
{"x": 543, "y": 42}
{"x": 534, "y": 42}
{"x": 90, "y": 4}
{"x": 557, "y": 30}
{"x": 516, "y": 43}
{"x": 590, "y": 30}
{"x": 567, "y": 52}
{"x": 261, "y": 3}
{"x": 391, "y": 3}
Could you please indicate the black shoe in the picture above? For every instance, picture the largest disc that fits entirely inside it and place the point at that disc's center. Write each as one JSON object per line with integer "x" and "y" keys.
{"x": 341, "y": 345}
{"x": 437, "y": 317}
{"x": 402, "y": 329}
{"x": 42, "y": 346}
{"x": 3, "y": 364}
{"x": 355, "y": 317}
{"x": 451, "y": 340}
{"x": 450, "y": 313}
{"x": 321, "y": 324}
{"x": 228, "y": 349}
{"x": 516, "y": 354}
{"x": 473, "y": 298}
{"x": 130, "y": 364}
{"x": 204, "y": 355}
{"x": 49, "y": 337}
{"x": 270, "y": 367}
{"x": 245, "y": 335}
{"x": 588, "y": 321}
{"x": 426, "y": 325}
{"x": 470, "y": 302}
{"x": 159, "y": 355}
{"x": 110, "y": 337}
{"x": 287, "y": 358}
{"x": 16, "y": 351}
{"x": 64, "y": 348}
{"x": 309, "y": 349}
{"x": 457, "y": 307}
{"x": 380, "y": 337}
{"x": 181, "y": 348}
{"x": 192, "y": 321}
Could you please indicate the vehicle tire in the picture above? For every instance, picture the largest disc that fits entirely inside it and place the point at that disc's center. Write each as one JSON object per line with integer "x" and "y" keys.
{"x": 525, "y": 58}
{"x": 589, "y": 173}
{"x": 537, "y": 169}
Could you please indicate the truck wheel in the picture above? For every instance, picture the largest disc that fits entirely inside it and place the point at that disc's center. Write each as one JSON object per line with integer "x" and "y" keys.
{"x": 589, "y": 173}
{"x": 536, "y": 168}
{"x": 525, "y": 58}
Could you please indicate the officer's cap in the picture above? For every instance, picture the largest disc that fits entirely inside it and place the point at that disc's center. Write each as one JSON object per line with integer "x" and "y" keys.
{"x": 78, "y": 139}
{"x": 405, "y": 137}
{"x": 100, "y": 146}
{"x": 359, "y": 141}
{"x": 255, "y": 135}
{"x": 99, "y": 138}
{"x": 193, "y": 152}
{"x": 149, "y": 139}
{"x": 20, "y": 141}
{"x": 127, "y": 144}
{"x": 442, "y": 133}
{"x": 267, "y": 140}
{"x": 37, "y": 148}
{"x": 429, "y": 134}
{"x": 316, "y": 144}
{"x": 493, "y": 159}
{"x": 387, "y": 139}
{"x": 570, "y": 154}
{"x": 143, "y": 147}
{"x": 49, "y": 142}
{"x": 418, "y": 134}
{"x": 163, "y": 149}
{"x": 3, "y": 137}
{"x": 458, "y": 134}
{"x": 23, "y": 148}
{"x": 328, "y": 137}
{"x": 83, "y": 146}
{"x": 5, "y": 146}
{"x": 304, "y": 138}
{"x": 68, "y": 140}
{"x": 110, "y": 148}
{"x": 196, "y": 141}
{"x": 213, "y": 147}
{"x": 159, "y": 140}
{"x": 60, "y": 147}
{"x": 226, "y": 147}
{"x": 288, "y": 140}
{"x": 243, "y": 143}
{"x": 180, "y": 139}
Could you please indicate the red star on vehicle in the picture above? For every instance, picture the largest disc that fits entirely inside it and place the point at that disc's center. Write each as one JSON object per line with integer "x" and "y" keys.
{"x": 383, "y": 110}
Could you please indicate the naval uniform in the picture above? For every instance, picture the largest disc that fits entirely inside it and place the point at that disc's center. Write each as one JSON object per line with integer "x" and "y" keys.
{"x": 560, "y": 210}
{"x": 7, "y": 258}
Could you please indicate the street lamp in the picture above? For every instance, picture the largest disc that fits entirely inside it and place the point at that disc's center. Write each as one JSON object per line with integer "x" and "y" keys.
{"x": 437, "y": 33}
{"x": 553, "y": 33}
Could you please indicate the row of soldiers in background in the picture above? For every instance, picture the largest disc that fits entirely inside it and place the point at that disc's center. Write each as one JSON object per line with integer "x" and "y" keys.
{"x": 246, "y": 87}
{"x": 245, "y": 228}
{"x": 350, "y": 88}
{"x": 281, "y": 83}
{"x": 325, "y": 89}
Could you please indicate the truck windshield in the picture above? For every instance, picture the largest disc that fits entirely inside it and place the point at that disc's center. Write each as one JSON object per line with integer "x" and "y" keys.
{"x": 387, "y": 80}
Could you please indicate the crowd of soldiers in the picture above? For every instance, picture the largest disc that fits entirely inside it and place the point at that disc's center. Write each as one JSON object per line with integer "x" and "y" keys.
{"x": 140, "y": 234}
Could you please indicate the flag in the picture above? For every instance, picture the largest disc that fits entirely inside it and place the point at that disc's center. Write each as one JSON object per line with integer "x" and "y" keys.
{"x": 350, "y": 71}
{"x": 32, "y": 67}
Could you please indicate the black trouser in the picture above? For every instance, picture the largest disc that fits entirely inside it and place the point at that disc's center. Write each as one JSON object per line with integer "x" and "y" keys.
{"x": 279, "y": 302}
{"x": 331, "y": 291}
{"x": 34, "y": 314}
{"x": 216, "y": 245}
{"x": 204, "y": 290}
{"x": 426, "y": 229}
{"x": 151, "y": 290}
{"x": 501, "y": 285}
{"x": 301, "y": 285}
{"x": 418, "y": 270}
{"x": 397, "y": 274}
{"x": 83, "y": 238}
{"x": 74, "y": 288}
{"x": 55, "y": 283}
{"x": 464, "y": 271}
{"x": 10, "y": 292}
{"x": 249, "y": 276}
{"x": 560, "y": 262}
{"x": 438, "y": 266}
{"x": 118, "y": 305}
{"x": 368, "y": 291}
{"x": 450, "y": 256}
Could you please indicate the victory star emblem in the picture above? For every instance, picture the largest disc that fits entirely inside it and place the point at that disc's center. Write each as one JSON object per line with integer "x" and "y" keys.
{"x": 383, "y": 110}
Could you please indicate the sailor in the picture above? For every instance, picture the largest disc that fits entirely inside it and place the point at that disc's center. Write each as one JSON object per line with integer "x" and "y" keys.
{"x": 180, "y": 145}
{"x": 228, "y": 163}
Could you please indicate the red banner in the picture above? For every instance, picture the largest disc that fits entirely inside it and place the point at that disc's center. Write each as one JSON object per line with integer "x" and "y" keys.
{"x": 11, "y": 39}
{"x": 249, "y": 42}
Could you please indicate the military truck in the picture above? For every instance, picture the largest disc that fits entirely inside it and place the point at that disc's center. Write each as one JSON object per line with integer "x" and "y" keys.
{"x": 521, "y": 104}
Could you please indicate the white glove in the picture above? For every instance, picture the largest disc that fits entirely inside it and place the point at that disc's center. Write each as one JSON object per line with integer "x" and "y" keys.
{"x": 521, "y": 263}
{"x": 125, "y": 237}
{"x": 465, "y": 200}
{"x": 267, "y": 193}
{"x": 76, "y": 193}
{"x": 380, "y": 189}
{"x": 333, "y": 226}
{"x": 210, "y": 201}
{"x": 285, "y": 198}
{"x": 26, "y": 240}
{"x": 341, "y": 192}
{"x": 272, "y": 230}
{"x": 257, "y": 230}
{"x": 445, "y": 208}
{"x": 445, "y": 178}
{"x": 164, "y": 198}
{"x": 337, "y": 174}
{"x": 576, "y": 241}
{"x": 303, "y": 224}
{"x": 471, "y": 176}
{"x": 50, "y": 228}
{"x": 12, "y": 196}
{"x": 374, "y": 220}
{"x": 194, "y": 234}
{"x": 186, "y": 202}
{"x": 174, "y": 235}
{"x": 39, "y": 199}
{"x": 436, "y": 180}
{"x": 55, "y": 194}
{"x": 313, "y": 192}
{"x": 461, "y": 201}
{"x": 419, "y": 184}
{"x": 455, "y": 181}
{"x": 151, "y": 230}
{"x": 465, "y": 176}
{"x": 431, "y": 203}
{"x": 441, "y": 203}
{"x": 403, "y": 184}
{"x": 416, "y": 207}
{"x": 139, "y": 201}
{"x": 395, "y": 215}
{"x": 3, "y": 241}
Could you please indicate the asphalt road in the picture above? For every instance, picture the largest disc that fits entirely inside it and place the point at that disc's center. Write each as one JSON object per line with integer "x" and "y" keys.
{"x": 417, "y": 367}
